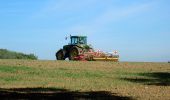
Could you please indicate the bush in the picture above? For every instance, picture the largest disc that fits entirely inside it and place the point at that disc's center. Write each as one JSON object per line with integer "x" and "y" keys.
{"x": 6, "y": 54}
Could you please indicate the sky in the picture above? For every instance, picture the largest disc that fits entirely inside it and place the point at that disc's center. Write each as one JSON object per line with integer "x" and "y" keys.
{"x": 138, "y": 29}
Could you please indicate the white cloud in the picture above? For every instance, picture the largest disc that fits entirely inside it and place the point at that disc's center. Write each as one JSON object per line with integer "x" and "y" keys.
{"x": 109, "y": 16}
{"x": 61, "y": 7}
{"x": 97, "y": 22}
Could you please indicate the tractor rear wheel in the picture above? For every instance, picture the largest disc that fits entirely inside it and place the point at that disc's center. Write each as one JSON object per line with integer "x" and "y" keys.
{"x": 73, "y": 53}
{"x": 60, "y": 55}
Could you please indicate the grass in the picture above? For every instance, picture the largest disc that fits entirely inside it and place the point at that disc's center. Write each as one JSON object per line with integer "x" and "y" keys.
{"x": 125, "y": 79}
{"x": 66, "y": 76}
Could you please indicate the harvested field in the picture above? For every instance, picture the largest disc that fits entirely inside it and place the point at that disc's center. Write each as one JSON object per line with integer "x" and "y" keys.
{"x": 29, "y": 79}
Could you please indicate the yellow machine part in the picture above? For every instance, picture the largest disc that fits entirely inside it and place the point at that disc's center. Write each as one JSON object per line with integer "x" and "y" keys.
{"x": 105, "y": 59}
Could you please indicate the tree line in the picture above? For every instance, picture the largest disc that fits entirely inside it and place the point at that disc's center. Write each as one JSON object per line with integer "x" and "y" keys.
{"x": 7, "y": 54}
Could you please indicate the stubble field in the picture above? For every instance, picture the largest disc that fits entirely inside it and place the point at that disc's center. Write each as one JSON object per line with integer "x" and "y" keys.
{"x": 28, "y": 79}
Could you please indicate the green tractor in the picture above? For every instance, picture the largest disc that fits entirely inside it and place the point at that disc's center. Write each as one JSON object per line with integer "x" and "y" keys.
{"x": 77, "y": 46}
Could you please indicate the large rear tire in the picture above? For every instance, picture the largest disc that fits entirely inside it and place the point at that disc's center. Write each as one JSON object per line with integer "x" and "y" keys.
{"x": 60, "y": 55}
{"x": 73, "y": 53}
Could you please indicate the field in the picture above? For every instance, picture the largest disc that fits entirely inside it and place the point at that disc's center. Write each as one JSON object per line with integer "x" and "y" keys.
{"x": 29, "y": 79}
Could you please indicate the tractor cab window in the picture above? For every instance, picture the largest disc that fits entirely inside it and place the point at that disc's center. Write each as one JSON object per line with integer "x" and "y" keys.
{"x": 82, "y": 40}
{"x": 74, "y": 40}
{"x": 78, "y": 40}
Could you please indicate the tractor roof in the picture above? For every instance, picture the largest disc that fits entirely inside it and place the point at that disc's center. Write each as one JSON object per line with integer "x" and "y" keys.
{"x": 78, "y": 36}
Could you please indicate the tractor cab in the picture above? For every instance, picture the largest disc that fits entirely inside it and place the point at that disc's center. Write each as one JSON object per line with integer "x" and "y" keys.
{"x": 75, "y": 40}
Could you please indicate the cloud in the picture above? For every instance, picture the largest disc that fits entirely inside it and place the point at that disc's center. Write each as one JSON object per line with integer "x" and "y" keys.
{"x": 95, "y": 23}
{"x": 62, "y": 7}
{"x": 109, "y": 16}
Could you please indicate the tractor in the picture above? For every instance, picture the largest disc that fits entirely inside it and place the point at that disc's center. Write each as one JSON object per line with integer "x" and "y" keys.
{"x": 78, "y": 45}
{"x": 79, "y": 50}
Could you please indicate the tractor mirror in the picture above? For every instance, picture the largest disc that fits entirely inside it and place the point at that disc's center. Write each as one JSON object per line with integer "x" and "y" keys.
{"x": 66, "y": 38}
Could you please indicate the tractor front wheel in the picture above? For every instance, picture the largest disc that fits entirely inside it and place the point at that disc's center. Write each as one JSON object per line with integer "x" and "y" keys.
{"x": 73, "y": 53}
{"x": 60, "y": 55}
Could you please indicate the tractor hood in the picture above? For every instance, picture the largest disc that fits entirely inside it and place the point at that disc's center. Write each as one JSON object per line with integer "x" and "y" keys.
{"x": 85, "y": 46}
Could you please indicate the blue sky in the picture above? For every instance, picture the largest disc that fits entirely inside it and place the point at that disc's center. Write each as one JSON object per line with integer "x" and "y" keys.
{"x": 138, "y": 29}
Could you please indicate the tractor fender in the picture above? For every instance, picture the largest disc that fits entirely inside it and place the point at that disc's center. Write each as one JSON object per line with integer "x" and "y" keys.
{"x": 78, "y": 49}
